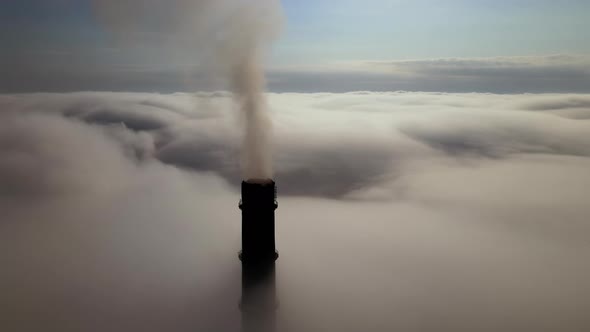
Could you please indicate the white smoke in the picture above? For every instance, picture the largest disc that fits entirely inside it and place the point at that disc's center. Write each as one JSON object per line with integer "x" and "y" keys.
{"x": 253, "y": 27}
{"x": 229, "y": 38}
{"x": 256, "y": 149}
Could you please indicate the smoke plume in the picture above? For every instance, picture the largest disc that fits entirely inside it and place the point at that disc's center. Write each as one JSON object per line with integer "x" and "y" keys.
{"x": 252, "y": 27}
{"x": 248, "y": 83}
{"x": 228, "y": 38}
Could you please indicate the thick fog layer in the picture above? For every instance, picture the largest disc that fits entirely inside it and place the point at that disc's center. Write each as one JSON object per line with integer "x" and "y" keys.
{"x": 397, "y": 211}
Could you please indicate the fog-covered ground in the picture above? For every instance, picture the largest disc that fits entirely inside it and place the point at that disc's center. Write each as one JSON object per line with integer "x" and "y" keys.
{"x": 397, "y": 211}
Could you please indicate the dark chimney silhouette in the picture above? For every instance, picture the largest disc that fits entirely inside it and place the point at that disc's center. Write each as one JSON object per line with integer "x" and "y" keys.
{"x": 258, "y": 206}
{"x": 258, "y": 255}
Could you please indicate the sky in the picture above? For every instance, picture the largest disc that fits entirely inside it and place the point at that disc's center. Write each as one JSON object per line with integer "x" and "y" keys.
{"x": 325, "y": 45}
{"x": 321, "y": 31}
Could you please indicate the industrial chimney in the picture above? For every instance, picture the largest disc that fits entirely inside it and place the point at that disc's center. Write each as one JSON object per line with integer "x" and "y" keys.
{"x": 258, "y": 207}
{"x": 258, "y": 255}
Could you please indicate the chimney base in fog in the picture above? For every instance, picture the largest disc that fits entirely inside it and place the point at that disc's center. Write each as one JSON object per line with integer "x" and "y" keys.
{"x": 258, "y": 256}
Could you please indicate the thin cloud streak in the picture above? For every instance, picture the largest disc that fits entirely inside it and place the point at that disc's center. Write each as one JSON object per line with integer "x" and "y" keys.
{"x": 508, "y": 75}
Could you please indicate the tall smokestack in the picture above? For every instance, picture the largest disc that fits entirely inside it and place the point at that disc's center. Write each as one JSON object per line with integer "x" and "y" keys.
{"x": 258, "y": 255}
{"x": 258, "y": 206}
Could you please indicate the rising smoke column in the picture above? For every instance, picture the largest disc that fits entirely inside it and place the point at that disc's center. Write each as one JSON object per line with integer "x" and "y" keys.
{"x": 248, "y": 85}
{"x": 254, "y": 26}
{"x": 232, "y": 35}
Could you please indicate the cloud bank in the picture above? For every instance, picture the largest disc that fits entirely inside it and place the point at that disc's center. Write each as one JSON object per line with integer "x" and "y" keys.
{"x": 561, "y": 73}
{"x": 351, "y": 140}
{"x": 509, "y": 74}
{"x": 433, "y": 211}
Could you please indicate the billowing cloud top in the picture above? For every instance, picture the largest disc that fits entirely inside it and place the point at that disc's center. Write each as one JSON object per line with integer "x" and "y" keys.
{"x": 353, "y": 140}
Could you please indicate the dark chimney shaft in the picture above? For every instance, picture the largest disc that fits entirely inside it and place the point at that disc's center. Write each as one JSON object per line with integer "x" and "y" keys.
{"x": 258, "y": 207}
{"x": 258, "y": 256}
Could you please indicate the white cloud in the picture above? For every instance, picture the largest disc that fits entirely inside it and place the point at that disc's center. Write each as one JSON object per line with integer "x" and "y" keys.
{"x": 408, "y": 211}
{"x": 327, "y": 144}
